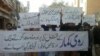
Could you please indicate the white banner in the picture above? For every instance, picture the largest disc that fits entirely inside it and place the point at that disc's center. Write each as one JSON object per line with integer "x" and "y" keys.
{"x": 50, "y": 11}
{"x": 72, "y": 10}
{"x": 50, "y": 16}
{"x": 90, "y": 19}
{"x": 71, "y": 18}
{"x": 50, "y": 19}
{"x": 43, "y": 41}
{"x": 29, "y": 20}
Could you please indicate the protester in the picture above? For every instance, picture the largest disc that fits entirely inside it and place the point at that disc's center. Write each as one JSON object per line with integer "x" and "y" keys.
{"x": 96, "y": 33}
{"x": 9, "y": 26}
{"x": 79, "y": 27}
{"x": 87, "y": 27}
{"x": 48, "y": 28}
{"x": 69, "y": 27}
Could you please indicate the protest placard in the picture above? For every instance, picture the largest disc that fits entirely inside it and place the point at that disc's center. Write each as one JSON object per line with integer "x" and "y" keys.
{"x": 50, "y": 19}
{"x": 72, "y": 10}
{"x": 71, "y": 18}
{"x": 50, "y": 11}
{"x": 50, "y": 16}
{"x": 29, "y": 20}
{"x": 43, "y": 41}
{"x": 90, "y": 19}
{"x": 71, "y": 15}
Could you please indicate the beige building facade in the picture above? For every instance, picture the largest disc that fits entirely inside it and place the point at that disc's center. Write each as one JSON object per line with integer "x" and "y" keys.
{"x": 88, "y": 6}
{"x": 7, "y": 7}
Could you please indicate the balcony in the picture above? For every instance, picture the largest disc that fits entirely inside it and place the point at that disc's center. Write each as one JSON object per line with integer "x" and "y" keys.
{"x": 6, "y": 7}
{"x": 5, "y": 16}
{"x": 8, "y": 4}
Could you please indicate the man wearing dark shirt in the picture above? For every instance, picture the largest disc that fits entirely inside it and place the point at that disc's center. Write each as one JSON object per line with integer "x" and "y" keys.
{"x": 96, "y": 33}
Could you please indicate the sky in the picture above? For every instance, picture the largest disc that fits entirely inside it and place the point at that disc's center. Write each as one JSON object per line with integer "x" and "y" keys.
{"x": 36, "y": 4}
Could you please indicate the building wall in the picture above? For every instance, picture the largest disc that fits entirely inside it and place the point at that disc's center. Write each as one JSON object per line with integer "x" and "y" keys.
{"x": 89, "y": 6}
{"x": 93, "y": 6}
{"x": 81, "y": 3}
{"x": 6, "y": 9}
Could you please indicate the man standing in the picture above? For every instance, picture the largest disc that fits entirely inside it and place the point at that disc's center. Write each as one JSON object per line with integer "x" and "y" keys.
{"x": 96, "y": 33}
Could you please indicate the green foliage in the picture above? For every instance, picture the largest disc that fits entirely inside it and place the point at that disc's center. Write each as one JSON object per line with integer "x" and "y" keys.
{"x": 57, "y": 5}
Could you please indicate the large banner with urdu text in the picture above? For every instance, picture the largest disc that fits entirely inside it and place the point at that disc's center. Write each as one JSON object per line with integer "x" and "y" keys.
{"x": 43, "y": 41}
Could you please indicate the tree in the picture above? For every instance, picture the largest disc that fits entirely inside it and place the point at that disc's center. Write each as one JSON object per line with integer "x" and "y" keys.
{"x": 57, "y": 5}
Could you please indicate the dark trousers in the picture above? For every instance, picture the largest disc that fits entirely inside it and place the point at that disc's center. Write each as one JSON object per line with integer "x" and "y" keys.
{"x": 86, "y": 53}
